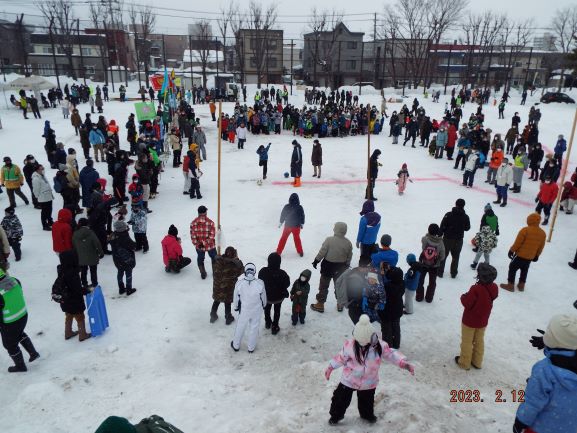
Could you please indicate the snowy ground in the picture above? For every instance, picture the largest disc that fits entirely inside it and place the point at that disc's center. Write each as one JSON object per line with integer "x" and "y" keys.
{"x": 161, "y": 355}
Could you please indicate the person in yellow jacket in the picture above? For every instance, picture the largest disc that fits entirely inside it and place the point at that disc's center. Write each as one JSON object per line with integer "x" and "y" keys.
{"x": 12, "y": 178}
{"x": 13, "y": 318}
{"x": 527, "y": 248}
{"x": 194, "y": 148}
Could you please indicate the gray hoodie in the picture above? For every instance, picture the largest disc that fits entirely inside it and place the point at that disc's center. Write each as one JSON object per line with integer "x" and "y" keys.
{"x": 337, "y": 248}
{"x": 437, "y": 242}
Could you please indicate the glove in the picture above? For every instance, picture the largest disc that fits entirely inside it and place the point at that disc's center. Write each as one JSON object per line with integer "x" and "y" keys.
{"x": 511, "y": 254}
{"x": 537, "y": 341}
{"x": 315, "y": 263}
{"x": 328, "y": 372}
{"x": 358, "y": 244}
{"x": 536, "y": 259}
{"x": 101, "y": 256}
{"x": 536, "y": 200}
{"x": 408, "y": 366}
{"x": 519, "y": 427}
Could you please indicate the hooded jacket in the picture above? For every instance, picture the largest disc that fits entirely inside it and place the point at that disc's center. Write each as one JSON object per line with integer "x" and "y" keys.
{"x": 226, "y": 271}
{"x": 374, "y": 164}
{"x": 569, "y": 192}
{"x": 68, "y": 271}
{"x": 62, "y": 231}
{"x": 276, "y": 281}
{"x": 437, "y": 242}
{"x": 504, "y": 175}
{"x": 337, "y": 248}
{"x": 455, "y": 224}
{"x": 394, "y": 289}
{"x": 293, "y": 214}
{"x": 88, "y": 177}
{"x": 530, "y": 240}
{"x": 486, "y": 239}
{"x": 300, "y": 301}
{"x": 171, "y": 249}
{"x": 369, "y": 224}
{"x": 478, "y": 302}
{"x": 87, "y": 246}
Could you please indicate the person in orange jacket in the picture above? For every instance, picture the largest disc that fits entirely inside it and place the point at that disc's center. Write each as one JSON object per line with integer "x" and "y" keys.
{"x": 546, "y": 197}
{"x": 494, "y": 164}
{"x": 212, "y": 107}
{"x": 527, "y": 248}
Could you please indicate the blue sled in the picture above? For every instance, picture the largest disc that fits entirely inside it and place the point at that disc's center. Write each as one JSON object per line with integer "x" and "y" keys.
{"x": 96, "y": 308}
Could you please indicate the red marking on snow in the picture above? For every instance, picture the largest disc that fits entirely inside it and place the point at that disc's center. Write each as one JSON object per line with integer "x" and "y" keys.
{"x": 435, "y": 178}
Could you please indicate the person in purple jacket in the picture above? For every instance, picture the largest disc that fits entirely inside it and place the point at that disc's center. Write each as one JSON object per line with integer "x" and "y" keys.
{"x": 369, "y": 227}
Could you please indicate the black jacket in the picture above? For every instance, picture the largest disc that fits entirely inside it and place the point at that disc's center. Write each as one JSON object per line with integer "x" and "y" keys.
{"x": 68, "y": 271}
{"x": 375, "y": 164}
{"x": 123, "y": 250}
{"x": 276, "y": 281}
{"x": 293, "y": 214}
{"x": 455, "y": 224}
{"x": 394, "y": 289}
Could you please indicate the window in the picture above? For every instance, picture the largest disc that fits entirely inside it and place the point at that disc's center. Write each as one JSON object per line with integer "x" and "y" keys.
{"x": 351, "y": 65}
{"x": 518, "y": 64}
{"x": 90, "y": 70}
{"x": 351, "y": 45}
{"x": 46, "y": 50}
{"x": 272, "y": 44}
{"x": 86, "y": 51}
{"x": 45, "y": 69}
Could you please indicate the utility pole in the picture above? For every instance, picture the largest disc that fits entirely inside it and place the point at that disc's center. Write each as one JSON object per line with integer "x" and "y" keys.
{"x": 528, "y": 66}
{"x": 137, "y": 58}
{"x": 108, "y": 55}
{"x": 488, "y": 67}
{"x": 81, "y": 54}
{"x": 448, "y": 66}
{"x": 163, "y": 51}
{"x": 53, "y": 50}
{"x": 216, "y": 49}
{"x": 361, "y": 70}
{"x": 375, "y": 62}
{"x": 292, "y": 46}
{"x": 190, "y": 58}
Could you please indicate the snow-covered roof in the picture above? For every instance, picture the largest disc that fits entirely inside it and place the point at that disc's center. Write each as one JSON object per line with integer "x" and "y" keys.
{"x": 196, "y": 55}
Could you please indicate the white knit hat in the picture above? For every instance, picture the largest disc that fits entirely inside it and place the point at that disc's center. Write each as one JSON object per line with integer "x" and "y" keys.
{"x": 561, "y": 332}
{"x": 363, "y": 331}
{"x": 372, "y": 275}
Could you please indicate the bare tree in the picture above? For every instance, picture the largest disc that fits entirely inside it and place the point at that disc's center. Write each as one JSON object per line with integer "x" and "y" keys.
{"x": 225, "y": 22}
{"x": 97, "y": 11}
{"x": 202, "y": 52}
{"x": 60, "y": 15}
{"x": 260, "y": 21}
{"x": 514, "y": 38}
{"x": 323, "y": 41}
{"x": 237, "y": 22}
{"x": 143, "y": 21}
{"x": 564, "y": 25}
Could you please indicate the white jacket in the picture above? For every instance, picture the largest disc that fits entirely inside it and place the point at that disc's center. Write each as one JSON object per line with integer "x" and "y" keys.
{"x": 41, "y": 188}
{"x": 241, "y": 133}
{"x": 250, "y": 295}
{"x": 471, "y": 164}
{"x": 504, "y": 175}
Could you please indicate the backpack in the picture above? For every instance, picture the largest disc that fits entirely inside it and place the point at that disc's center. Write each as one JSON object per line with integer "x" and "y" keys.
{"x": 156, "y": 424}
{"x": 58, "y": 184}
{"x": 128, "y": 261}
{"x": 58, "y": 290}
{"x": 429, "y": 255}
{"x": 373, "y": 300}
{"x": 481, "y": 159}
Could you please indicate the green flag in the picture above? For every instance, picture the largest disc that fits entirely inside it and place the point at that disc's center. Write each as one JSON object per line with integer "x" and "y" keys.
{"x": 145, "y": 110}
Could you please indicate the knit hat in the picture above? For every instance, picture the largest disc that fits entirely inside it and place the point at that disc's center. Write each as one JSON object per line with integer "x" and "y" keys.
{"x": 120, "y": 226}
{"x": 411, "y": 258}
{"x": 202, "y": 210}
{"x": 433, "y": 229}
{"x": 460, "y": 203}
{"x": 172, "y": 230}
{"x": 294, "y": 142}
{"x": 561, "y": 332}
{"x": 404, "y": 165}
{"x": 363, "y": 331}
{"x": 486, "y": 273}
{"x": 372, "y": 275}
{"x": 488, "y": 207}
{"x": 386, "y": 240}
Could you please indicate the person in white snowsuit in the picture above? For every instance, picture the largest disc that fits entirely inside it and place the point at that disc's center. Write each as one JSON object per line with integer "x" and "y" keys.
{"x": 249, "y": 300}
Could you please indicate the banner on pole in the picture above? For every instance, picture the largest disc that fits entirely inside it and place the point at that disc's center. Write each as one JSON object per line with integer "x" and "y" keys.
{"x": 157, "y": 81}
{"x": 145, "y": 110}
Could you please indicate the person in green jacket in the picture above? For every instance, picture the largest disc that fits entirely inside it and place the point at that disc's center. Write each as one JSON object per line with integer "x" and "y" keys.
{"x": 299, "y": 296}
{"x": 13, "y": 321}
{"x": 155, "y": 170}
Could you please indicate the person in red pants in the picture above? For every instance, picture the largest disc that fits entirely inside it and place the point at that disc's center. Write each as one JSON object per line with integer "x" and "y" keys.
{"x": 293, "y": 217}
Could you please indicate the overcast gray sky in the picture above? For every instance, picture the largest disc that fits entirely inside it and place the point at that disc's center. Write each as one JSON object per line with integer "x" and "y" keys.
{"x": 292, "y": 13}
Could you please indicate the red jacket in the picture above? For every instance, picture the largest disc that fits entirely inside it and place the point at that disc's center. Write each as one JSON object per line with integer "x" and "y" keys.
{"x": 569, "y": 191}
{"x": 548, "y": 193}
{"x": 171, "y": 249}
{"x": 478, "y": 302}
{"x": 451, "y": 136}
{"x": 185, "y": 164}
{"x": 62, "y": 232}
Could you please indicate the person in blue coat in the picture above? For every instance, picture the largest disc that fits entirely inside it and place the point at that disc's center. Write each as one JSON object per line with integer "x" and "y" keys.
{"x": 263, "y": 158}
{"x": 560, "y": 148}
{"x": 88, "y": 177}
{"x": 369, "y": 227}
{"x": 550, "y": 404}
{"x": 385, "y": 254}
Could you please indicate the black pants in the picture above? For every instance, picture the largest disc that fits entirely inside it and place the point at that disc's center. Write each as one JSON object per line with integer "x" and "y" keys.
{"x": 46, "y": 213}
{"x": 342, "y": 399}
{"x": 453, "y": 247}
{"x": 176, "y": 158}
{"x": 366, "y": 251}
{"x": 34, "y": 199}
{"x": 264, "y": 164}
{"x": 141, "y": 242}
{"x": 93, "y": 275}
{"x": 15, "y": 191}
{"x": 227, "y": 308}
{"x": 534, "y": 173}
{"x": 430, "y": 288}
{"x": 518, "y": 264}
{"x": 276, "y": 315}
{"x": 12, "y": 334}
{"x": 120, "y": 279}
{"x": 194, "y": 188}
{"x": 240, "y": 143}
{"x": 468, "y": 177}
{"x": 439, "y": 152}
{"x": 546, "y": 209}
{"x": 15, "y": 244}
{"x": 392, "y": 333}
{"x": 100, "y": 233}
{"x": 460, "y": 158}
{"x": 450, "y": 151}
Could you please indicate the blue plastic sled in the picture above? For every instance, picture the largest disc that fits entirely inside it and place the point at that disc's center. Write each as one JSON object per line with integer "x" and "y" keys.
{"x": 96, "y": 308}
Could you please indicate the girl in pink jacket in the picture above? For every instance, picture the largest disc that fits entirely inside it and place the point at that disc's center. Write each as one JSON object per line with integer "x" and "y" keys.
{"x": 361, "y": 359}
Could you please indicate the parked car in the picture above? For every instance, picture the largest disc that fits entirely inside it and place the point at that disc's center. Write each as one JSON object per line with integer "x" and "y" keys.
{"x": 556, "y": 97}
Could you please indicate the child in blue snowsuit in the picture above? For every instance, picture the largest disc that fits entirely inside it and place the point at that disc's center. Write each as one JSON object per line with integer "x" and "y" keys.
{"x": 411, "y": 282}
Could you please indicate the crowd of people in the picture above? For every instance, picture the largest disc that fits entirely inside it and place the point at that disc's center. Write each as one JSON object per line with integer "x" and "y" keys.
{"x": 376, "y": 290}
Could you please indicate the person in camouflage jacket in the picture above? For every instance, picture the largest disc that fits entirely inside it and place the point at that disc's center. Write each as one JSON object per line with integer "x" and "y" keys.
{"x": 226, "y": 270}
{"x": 13, "y": 228}
{"x": 485, "y": 241}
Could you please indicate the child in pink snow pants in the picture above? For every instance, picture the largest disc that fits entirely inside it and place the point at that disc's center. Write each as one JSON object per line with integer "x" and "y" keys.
{"x": 402, "y": 178}
{"x": 361, "y": 359}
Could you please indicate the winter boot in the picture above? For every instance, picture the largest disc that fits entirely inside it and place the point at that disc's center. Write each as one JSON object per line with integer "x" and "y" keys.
{"x": 213, "y": 317}
{"x": 572, "y": 264}
{"x": 497, "y": 201}
{"x": 334, "y": 421}
{"x": 545, "y": 222}
{"x": 510, "y": 286}
{"x": 294, "y": 319}
{"x": 275, "y": 329}
{"x": 229, "y": 319}
{"x": 474, "y": 265}
{"x": 340, "y": 308}
{"x": 370, "y": 419}
{"x": 82, "y": 334}
{"x": 521, "y": 286}
{"x": 319, "y": 307}
{"x": 297, "y": 182}
{"x": 202, "y": 271}
{"x": 513, "y": 188}
{"x": 130, "y": 291}
{"x": 29, "y": 347}
{"x": 234, "y": 348}
{"x": 503, "y": 204}
{"x": 19, "y": 365}
{"x": 68, "y": 332}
